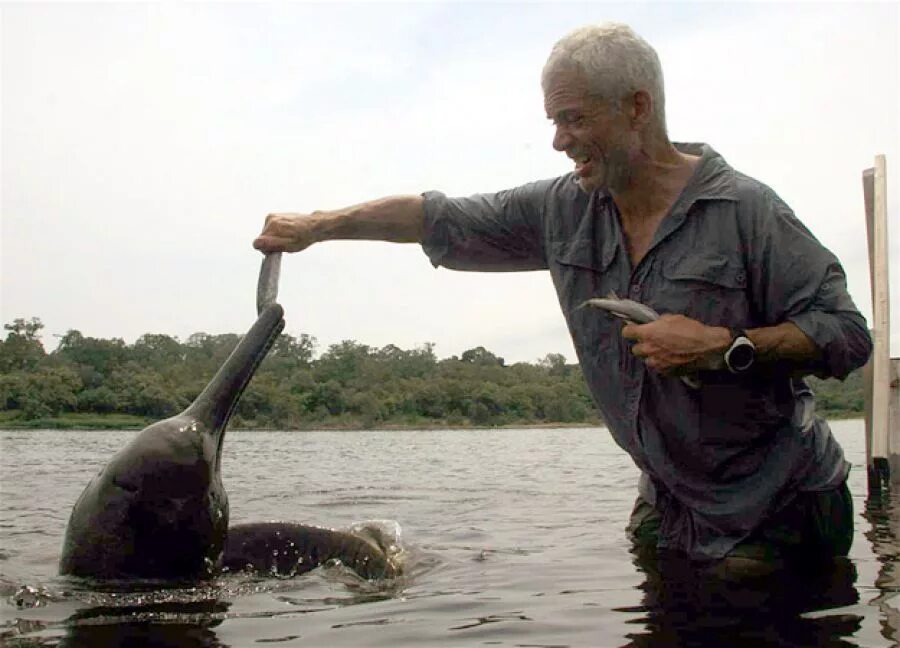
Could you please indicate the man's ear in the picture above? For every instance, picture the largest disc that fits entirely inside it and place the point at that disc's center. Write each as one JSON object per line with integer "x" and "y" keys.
{"x": 641, "y": 108}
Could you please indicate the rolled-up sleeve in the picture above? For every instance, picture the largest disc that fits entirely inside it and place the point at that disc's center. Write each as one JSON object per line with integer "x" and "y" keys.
{"x": 837, "y": 328}
{"x": 500, "y": 232}
{"x": 797, "y": 279}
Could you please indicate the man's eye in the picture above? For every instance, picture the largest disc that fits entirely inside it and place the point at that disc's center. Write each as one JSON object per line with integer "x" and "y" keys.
{"x": 568, "y": 120}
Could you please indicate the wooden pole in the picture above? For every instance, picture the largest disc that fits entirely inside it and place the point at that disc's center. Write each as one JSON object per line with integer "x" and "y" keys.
{"x": 894, "y": 422}
{"x": 880, "y": 453}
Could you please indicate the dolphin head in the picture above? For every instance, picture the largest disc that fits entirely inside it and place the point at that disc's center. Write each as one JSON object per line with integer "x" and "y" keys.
{"x": 158, "y": 509}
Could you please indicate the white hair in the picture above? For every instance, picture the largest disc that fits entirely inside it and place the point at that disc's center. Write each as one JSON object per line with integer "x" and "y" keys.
{"x": 614, "y": 60}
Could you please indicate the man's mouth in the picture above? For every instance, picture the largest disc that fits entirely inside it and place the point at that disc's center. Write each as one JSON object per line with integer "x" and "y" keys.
{"x": 582, "y": 164}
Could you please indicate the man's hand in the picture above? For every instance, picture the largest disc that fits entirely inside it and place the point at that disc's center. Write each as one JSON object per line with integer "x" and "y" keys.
{"x": 287, "y": 232}
{"x": 678, "y": 345}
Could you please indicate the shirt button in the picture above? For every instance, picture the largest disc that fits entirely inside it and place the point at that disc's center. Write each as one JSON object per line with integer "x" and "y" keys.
{"x": 636, "y": 289}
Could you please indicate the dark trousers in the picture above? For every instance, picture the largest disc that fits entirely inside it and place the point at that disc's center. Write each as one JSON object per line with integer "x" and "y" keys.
{"x": 814, "y": 526}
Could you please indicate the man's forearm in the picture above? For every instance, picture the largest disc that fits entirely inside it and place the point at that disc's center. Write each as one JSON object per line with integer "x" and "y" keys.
{"x": 399, "y": 219}
{"x": 784, "y": 342}
{"x": 675, "y": 343}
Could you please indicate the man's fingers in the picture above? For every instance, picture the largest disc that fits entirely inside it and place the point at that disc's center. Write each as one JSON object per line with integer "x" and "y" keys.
{"x": 632, "y": 331}
{"x": 283, "y": 233}
{"x": 640, "y": 350}
{"x": 267, "y": 244}
{"x": 264, "y": 244}
{"x": 276, "y": 225}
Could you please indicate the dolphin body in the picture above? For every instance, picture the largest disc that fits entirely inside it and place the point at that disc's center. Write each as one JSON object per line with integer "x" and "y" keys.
{"x": 158, "y": 509}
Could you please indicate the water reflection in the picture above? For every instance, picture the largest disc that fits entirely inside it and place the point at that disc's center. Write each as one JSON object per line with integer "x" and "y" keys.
{"x": 883, "y": 514}
{"x": 136, "y": 614}
{"x": 687, "y": 607}
{"x": 175, "y": 624}
{"x": 141, "y": 635}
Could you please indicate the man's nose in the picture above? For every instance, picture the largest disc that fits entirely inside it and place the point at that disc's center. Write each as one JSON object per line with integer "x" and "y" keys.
{"x": 561, "y": 138}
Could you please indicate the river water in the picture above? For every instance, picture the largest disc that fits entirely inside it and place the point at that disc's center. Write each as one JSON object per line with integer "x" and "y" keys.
{"x": 512, "y": 538}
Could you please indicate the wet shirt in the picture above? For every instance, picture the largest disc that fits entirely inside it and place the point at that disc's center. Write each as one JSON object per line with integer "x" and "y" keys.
{"x": 722, "y": 457}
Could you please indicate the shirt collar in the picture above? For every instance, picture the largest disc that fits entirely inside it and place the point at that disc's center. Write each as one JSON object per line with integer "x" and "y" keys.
{"x": 713, "y": 179}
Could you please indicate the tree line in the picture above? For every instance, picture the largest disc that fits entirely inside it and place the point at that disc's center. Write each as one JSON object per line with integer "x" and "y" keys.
{"x": 349, "y": 385}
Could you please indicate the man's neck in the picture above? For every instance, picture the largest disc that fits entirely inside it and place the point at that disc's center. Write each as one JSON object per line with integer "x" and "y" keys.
{"x": 657, "y": 179}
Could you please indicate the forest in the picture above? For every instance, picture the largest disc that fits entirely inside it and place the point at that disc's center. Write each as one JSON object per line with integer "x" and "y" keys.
{"x": 93, "y": 383}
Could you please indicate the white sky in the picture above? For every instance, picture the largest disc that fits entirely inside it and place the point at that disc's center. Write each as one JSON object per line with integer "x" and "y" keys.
{"x": 142, "y": 146}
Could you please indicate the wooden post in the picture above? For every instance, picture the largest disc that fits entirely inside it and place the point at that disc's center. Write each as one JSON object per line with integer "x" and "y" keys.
{"x": 883, "y": 451}
{"x": 894, "y": 422}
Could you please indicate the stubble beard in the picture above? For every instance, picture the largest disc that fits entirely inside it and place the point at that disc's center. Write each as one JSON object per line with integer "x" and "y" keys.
{"x": 612, "y": 174}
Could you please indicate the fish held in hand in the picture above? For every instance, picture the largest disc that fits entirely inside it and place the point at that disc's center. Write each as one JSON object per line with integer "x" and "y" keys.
{"x": 626, "y": 309}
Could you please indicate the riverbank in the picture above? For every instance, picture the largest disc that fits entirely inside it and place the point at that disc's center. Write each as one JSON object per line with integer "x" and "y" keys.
{"x": 128, "y": 423}
{"x": 80, "y": 421}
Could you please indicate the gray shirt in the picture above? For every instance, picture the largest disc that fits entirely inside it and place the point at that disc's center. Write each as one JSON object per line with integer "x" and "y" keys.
{"x": 730, "y": 253}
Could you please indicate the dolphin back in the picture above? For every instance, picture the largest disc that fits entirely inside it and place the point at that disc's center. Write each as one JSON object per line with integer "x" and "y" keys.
{"x": 287, "y": 549}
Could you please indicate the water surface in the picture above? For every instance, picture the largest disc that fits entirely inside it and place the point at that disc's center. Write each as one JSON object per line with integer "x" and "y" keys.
{"x": 514, "y": 538}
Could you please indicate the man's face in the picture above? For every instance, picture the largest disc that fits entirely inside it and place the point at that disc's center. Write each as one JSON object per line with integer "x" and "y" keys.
{"x": 594, "y": 133}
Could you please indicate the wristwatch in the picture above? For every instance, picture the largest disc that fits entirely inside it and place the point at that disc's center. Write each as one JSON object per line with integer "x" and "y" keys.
{"x": 741, "y": 352}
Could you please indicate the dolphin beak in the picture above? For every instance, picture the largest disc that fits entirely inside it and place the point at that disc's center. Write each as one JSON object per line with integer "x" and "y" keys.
{"x": 215, "y": 404}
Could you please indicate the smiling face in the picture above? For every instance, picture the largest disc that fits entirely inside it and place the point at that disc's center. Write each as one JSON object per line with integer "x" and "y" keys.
{"x": 595, "y": 133}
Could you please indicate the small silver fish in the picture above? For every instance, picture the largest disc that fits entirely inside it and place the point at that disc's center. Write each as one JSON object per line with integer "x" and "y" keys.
{"x": 634, "y": 312}
{"x": 625, "y": 309}
{"x": 267, "y": 286}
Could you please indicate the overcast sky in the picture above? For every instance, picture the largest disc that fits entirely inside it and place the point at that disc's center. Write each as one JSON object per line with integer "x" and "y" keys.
{"x": 143, "y": 145}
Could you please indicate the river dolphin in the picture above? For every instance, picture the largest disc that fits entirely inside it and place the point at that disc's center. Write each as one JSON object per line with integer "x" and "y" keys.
{"x": 158, "y": 509}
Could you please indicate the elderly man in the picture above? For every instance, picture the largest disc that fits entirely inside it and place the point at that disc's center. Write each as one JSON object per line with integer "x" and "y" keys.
{"x": 736, "y": 466}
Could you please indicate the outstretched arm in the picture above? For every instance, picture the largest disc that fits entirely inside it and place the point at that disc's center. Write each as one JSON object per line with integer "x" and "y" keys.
{"x": 399, "y": 219}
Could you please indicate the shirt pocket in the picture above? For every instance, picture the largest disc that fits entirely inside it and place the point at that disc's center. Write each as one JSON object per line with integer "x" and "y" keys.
{"x": 580, "y": 270}
{"x": 711, "y": 288}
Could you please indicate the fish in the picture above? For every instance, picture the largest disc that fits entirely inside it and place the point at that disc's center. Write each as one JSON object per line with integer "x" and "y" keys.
{"x": 632, "y": 312}
{"x": 626, "y": 309}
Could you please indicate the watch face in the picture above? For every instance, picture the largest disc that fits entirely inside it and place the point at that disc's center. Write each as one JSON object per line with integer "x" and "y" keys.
{"x": 740, "y": 356}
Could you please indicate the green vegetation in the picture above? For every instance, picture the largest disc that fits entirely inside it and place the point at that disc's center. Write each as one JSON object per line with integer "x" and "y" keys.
{"x": 836, "y": 399}
{"x": 97, "y": 383}
{"x": 88, "y": 382}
